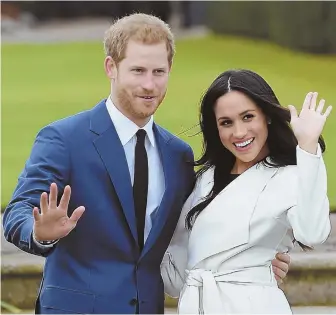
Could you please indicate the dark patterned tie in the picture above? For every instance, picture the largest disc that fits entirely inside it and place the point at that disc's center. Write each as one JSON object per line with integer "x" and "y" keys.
{"x": 140, "y": 186}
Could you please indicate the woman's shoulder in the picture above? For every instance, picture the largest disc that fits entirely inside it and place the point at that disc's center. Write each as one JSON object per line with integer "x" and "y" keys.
{"x": 206, "y": 178}
{"x": 203, "y": 185}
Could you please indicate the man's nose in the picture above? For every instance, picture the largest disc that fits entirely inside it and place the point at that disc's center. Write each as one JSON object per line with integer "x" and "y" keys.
{"x": 148, "y": 83}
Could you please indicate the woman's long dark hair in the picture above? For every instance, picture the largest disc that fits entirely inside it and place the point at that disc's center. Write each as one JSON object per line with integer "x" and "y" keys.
{"x": 281, "y": 140}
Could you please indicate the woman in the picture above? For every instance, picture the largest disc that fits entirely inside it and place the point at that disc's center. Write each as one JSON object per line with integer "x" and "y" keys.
{"x": 261, "y": 186}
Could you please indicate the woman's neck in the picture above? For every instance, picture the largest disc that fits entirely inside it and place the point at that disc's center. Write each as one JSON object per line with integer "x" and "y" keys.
{"x": 240, "y": 166}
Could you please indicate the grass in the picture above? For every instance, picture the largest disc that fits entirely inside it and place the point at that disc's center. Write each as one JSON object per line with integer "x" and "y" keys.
{"x": 42, "y": 83}
{"x": 9, "y": 308}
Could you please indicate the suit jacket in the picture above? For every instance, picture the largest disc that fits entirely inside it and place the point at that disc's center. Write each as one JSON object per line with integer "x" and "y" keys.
{"x": 235, "y": 238}
{"x": 98, "y": 267}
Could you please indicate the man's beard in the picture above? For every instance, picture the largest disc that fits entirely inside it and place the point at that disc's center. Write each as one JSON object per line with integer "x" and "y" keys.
{"x": 128, "y": 104}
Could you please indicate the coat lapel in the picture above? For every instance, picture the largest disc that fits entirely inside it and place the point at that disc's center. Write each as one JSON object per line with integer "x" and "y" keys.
{"x": 111, "y": 151}
{"x": 230, "y": 213}
{"x": 167, "y": 158}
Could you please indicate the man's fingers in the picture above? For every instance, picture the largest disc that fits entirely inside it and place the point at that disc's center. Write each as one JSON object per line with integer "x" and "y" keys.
{"x": 36, "y": 214}
{"x": 77, "y": 214}
{"x": 283, "y": 257}
{"x": 53, "y": 196}
{"x": 44, "y": 203}
{"x": 279, "y": 280}
{"x": 281, "y": 265}
{"x": 278, "y": 273}
{"x": 64, "y": 203}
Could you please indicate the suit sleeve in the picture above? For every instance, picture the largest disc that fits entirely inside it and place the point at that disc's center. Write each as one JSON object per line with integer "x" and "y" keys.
{"x": 48, "y": 162}
{"x": 309, "y": 218}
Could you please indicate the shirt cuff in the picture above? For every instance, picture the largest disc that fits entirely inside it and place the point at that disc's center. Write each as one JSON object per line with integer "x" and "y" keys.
{"x": 44, "y": 244}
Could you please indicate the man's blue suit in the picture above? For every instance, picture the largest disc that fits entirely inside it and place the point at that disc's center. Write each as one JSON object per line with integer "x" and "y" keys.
{"x": 98, "y": 267}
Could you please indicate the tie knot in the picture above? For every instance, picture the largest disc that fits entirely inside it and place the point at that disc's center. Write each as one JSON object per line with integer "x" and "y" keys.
{"x": 141, "y": 134}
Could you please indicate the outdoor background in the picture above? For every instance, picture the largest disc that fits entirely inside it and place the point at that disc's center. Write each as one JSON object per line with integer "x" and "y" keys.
{"x": 292, "y": 45}
{"x": 52, "y": 67}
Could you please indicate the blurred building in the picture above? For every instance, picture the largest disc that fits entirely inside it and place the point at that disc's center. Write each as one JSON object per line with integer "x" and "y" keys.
{"x": 190, "y": 12}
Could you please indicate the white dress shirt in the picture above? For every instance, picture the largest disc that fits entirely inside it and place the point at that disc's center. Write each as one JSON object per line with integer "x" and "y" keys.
{"x": 126, "y": 130}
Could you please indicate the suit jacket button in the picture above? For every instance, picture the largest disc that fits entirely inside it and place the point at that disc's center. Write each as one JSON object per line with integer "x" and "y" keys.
{"x": 134, "y": 302}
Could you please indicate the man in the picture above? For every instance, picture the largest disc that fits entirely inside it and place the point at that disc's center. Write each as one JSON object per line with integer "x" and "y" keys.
{"x": 128, "y": 179}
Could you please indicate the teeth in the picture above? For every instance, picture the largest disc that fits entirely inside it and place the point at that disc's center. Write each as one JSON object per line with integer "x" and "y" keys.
{"x": 244, "y": 144}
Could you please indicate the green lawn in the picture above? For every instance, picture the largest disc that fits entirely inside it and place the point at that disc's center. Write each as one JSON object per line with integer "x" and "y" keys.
{"x": 42, "y": 83}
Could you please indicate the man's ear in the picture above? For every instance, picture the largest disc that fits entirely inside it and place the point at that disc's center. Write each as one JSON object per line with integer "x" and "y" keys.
{"x": 110, "y": 67}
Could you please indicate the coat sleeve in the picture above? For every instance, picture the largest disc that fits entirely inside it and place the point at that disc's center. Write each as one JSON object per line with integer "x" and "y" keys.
{"x": 48, "y": 162}
{"x": 309, "y": 218}
{"x": 175, "y": 260}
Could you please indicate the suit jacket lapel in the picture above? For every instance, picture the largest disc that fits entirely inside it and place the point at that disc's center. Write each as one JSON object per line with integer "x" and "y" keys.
{"x": 111, "y": 151}
{"x": 167, "y": 158}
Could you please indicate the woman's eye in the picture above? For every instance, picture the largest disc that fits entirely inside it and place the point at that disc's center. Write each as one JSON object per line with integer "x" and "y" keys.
{"x": 248, "y": 116}
{"x": 225, "y": 122}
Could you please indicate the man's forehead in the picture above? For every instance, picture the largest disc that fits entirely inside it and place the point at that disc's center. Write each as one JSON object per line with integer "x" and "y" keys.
{"x": 151, "y": 57}
{"x": 137, "y": 49}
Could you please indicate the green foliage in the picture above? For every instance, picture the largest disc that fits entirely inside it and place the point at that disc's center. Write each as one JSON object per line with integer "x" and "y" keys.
{"x": 43, "y": 83}
{"x": 331, "y": 27}
{"x": 300, "y": 25}
{"x": 239, "y": 18}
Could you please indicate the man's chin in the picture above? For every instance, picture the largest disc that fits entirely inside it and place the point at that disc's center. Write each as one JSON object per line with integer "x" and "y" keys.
{"x": 146, "y": 114}
{"x": 149, "y": 110}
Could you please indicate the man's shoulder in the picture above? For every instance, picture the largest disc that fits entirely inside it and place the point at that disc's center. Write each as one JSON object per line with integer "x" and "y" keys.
{"x": 73, "y": 122}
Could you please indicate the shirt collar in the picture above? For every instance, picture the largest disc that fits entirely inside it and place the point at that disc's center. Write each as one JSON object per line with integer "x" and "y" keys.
{"x": 126, "y": 128}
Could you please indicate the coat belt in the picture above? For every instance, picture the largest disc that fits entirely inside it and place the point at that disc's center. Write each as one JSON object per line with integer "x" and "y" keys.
{"x": 201, "y": 295}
